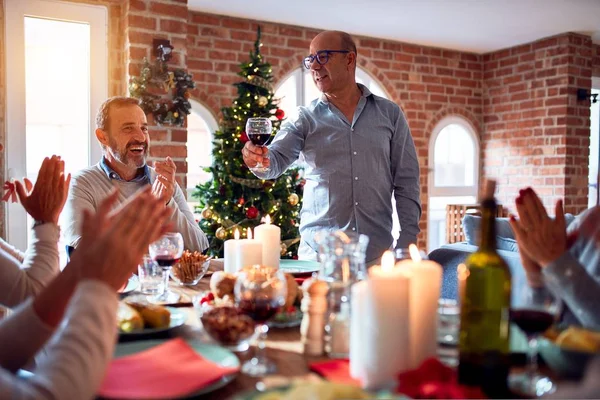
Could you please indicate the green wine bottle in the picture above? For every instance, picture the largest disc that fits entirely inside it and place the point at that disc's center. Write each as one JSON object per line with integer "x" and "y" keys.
{"x": 484, "y": 318}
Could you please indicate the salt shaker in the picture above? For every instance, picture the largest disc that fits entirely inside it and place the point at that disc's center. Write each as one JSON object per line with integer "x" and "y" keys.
{"x": 314, "y": 307}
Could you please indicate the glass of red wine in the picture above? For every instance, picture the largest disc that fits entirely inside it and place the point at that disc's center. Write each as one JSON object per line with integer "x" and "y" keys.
{"x": 166, "y": 252}
{"x": 260, "y": 292}
{"x": 259, "y": 132}
{"x": 534, "y": 315}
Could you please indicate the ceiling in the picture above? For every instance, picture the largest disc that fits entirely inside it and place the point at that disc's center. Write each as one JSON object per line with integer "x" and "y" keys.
{"x": 478, "y": 26}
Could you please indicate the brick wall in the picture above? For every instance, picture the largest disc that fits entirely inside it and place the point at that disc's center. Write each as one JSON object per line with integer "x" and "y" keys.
{"x": 428, "y": 83}
{"x": 535, "y": 132}
{"x": 145, "y": 21}
{"x": 596, "y": 60}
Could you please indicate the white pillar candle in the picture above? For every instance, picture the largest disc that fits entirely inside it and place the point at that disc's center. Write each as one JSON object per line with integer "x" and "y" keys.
{"x": 425, "y": 284}
{"x": 249, "y": 252}
{"x": 231, "y": 250}
{"x": 379, "y": 324}
{"x": 270, "y": 237}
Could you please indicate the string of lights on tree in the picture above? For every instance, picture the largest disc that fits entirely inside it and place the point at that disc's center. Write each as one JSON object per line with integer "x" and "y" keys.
{"x": 235, "y": 198}
{"x": 154, "y": 81}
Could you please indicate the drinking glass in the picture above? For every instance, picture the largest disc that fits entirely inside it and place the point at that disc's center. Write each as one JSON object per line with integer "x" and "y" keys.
{"x": 167, "y": 251}
{"x": 534, "y": 315}
{"x": 259, "y": 132}
{"x": 152, "y": 277}
{"x": 260, "y": 293}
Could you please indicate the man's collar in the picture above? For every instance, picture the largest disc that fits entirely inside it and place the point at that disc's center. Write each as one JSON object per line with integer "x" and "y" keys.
{"x": 143, "y": 174}
{"x": 365, "y": 92}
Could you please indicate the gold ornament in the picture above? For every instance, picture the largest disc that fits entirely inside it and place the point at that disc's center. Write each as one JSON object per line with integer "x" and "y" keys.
{"x": 176, "y": 114}
{"x": 207, "y": 213}
{"x": 293, "y": 199}
{"x": 221, "y": 233}
{"x": 262, "y": 101}
{"x": 283, "y": 249}
{"x": 134, "y": 86}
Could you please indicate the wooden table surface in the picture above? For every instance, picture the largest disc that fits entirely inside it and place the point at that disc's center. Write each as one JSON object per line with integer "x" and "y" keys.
{"x": 283, "y": 346}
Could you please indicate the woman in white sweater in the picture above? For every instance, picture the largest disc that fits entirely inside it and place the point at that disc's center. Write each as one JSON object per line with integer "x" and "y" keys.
{"x": 25, "y": 274}
{"x": 83, "y": 297}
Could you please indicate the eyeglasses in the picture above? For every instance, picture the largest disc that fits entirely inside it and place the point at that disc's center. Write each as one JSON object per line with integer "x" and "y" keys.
{"x": 322, "y": 56}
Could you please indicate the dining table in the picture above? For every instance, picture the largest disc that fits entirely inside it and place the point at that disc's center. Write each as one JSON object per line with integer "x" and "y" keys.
{"x": 283, "y": 346}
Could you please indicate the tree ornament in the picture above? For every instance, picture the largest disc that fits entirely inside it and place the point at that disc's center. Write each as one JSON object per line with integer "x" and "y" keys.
{"x": 244, "y": 137}
{"x": 187, "y": 95}
{"x": 252, "y": 212}
{"x": 283, "y": 249}
{"x": 207, "y": 213}
{"x": 222, "y": 190}
{"x": 221, "y": 233}
{"x": 280, "y": 114}
{"x": 262, "y": 101}
{"x": 293, "y": 199}
{"x": 241, "y": 201}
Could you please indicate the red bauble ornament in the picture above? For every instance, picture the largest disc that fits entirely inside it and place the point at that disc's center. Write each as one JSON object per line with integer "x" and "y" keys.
{"x": 241, "y": 201}
{"x": 279, "y": 114}
{"x": 244, "y": 137}
{"x": 252, "y": 212}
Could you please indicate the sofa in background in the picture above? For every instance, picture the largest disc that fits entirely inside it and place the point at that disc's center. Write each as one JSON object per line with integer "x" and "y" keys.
{"x": 449, "y": 256}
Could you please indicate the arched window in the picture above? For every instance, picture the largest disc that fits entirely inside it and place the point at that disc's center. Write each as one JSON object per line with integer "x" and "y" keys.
{"x": 298, "y": 89}
{"x": 453, "y": 172}
{"x": 201, "y": 125}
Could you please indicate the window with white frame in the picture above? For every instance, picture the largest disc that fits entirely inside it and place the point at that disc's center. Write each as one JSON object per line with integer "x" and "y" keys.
{"x": 453, "y": 173}
{"x": 58, "y": 68}
{"x": 201, "y": 124}
{"x": 298, "y": 89}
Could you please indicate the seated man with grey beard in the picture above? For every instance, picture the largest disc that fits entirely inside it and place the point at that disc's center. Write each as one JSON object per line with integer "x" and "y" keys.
{"x": 122, "y": 130}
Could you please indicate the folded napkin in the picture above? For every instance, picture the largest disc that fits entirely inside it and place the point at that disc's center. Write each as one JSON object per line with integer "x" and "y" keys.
{"x": 335, "y": 371}
{"x": 169, "y": 370}
{"x": 434, "y": 380}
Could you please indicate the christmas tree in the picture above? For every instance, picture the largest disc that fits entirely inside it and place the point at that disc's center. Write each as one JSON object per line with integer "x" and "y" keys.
{"x": 235, "y": 198}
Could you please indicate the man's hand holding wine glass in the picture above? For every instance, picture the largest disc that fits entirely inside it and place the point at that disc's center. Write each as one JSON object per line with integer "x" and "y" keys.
{"x": 253, "y": 155}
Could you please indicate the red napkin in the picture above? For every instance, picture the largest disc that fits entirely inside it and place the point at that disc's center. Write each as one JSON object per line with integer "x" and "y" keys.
{"x": 172, "y": 369}
{"x": 434, "y": 380}
{"x": 11, "y": 192}
{"x": 335, "y": 371}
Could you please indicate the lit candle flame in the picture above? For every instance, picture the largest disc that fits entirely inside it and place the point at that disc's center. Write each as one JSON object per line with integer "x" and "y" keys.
{"x": 236, "y": 234}
{"x": 268, "y": 219}
{"x": 249, "y": 233}
{"x": 414, "y": 252}
{"x": 387, "y": 261}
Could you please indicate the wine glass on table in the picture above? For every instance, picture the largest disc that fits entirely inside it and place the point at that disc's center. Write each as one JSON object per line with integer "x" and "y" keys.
{"x": 166, "y": 252}
{"x": 259, "y": 132}
{"x": 534, "y": 315}
{"x": 260, "y": 293}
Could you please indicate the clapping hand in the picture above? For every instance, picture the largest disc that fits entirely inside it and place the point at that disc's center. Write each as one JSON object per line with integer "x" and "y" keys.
{"x": 164, "y": 185}
{"x": 113, "y": 243}
{"x": 45, "y": 200}
{"x": 541, "y": 239}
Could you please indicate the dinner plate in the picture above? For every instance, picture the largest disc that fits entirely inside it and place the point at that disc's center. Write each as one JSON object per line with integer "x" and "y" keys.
{"x": 299, "y": 267}
{"x": 178, "y": 318}
{"x": 132, "y": 284}
{"x": 286, "y": 320}
{"x": 216, "y": 354}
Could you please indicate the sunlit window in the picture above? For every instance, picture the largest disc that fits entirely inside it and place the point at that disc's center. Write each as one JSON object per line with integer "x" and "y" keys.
{"x": 201, "y": 125}
{"x": 454, "y": 173}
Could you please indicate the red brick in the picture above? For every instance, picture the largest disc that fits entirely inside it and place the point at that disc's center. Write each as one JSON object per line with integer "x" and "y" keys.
{"x": 137, "y": 5}
{"x": 173, "y": 26}
{"x": 172, "y": 10}
{"x": 235, "y": 23}
{"x": 205, "y": 19}
{"x": 137, "y": 21}
{"x": 167, "y": 150}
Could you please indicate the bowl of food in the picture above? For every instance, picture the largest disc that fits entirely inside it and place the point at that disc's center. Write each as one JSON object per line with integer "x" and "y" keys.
{"x": 568, "y": 351}
{"x": 223, "y": 322}
{"x": 190, "y": 268}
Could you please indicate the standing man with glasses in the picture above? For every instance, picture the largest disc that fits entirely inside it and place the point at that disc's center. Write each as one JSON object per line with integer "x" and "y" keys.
{"x": 358, "y": 153}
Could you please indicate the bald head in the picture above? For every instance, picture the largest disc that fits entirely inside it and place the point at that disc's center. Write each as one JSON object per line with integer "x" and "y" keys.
{"x": 337, "y": 39}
